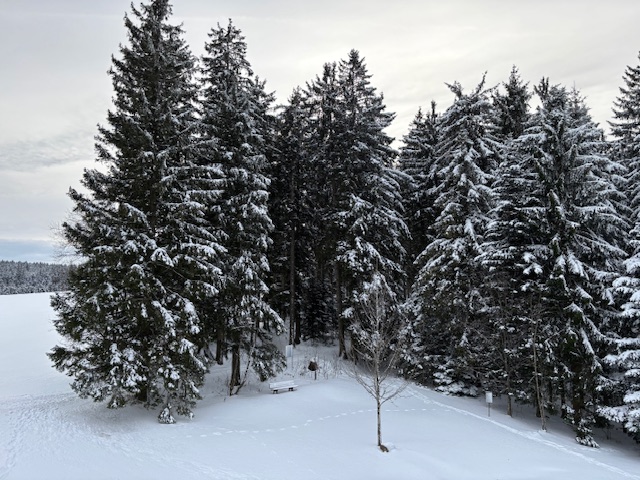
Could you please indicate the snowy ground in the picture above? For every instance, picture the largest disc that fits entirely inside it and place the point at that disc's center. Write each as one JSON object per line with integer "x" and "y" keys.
{"x": 324, "y": 430}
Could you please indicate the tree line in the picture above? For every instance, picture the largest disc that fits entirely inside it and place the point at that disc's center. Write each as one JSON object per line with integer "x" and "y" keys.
{"x": 32, "y": 277}
{"x": 504, "y": 238}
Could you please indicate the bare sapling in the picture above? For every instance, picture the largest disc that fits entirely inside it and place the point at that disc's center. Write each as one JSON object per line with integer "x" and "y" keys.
{"x": 377, "y": 332}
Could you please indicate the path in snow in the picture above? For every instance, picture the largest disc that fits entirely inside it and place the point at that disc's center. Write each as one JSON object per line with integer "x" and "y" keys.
{"x": 536, "y": 436}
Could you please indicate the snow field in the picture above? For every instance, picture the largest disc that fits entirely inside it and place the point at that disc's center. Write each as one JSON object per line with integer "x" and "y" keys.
{"x": 323, "y": 430}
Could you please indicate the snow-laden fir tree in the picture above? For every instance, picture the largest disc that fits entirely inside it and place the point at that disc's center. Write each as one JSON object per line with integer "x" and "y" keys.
{"x": 416, "y": 159}
{"x": 625, "y": 128}
{"x": 237, "y": 128}
{"x": 511, "y": 251}
{"x": 292, "y": 212}
{"x": 448, "y": 307}
{"x": 132, "y": 331}
{"x": 512, "y": 106}
{"x": 356, "y": 192}
{"x": 369, "y": 212}
{"x": 624, "y": 387}
{"x": 584, "y": 233}
{"x": 367, "y": 207}
{"x": 625, "y": 360}
{"x": 320, "y": 98}
{"x": 515, "y": 246}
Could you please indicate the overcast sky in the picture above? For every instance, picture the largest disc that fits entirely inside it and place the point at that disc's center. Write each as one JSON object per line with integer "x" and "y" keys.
{"x": 54, "y": 88}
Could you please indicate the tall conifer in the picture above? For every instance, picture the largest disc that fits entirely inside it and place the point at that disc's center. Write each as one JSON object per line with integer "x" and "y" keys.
{"x": 236, "y": 129}
{"x": 447, "y": 301}
{"x": 625, "y": 359}
{"x": 583, "y": 231}
{"x": 130, "y": 319}
{"x": 417, "y": 157}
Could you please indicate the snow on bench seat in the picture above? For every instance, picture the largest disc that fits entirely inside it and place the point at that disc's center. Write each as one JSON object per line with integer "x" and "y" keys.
{"x": 283, "y": 385}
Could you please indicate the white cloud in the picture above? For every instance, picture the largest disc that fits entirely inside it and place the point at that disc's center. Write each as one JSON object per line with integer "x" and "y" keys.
{"x": 34, "y": 202}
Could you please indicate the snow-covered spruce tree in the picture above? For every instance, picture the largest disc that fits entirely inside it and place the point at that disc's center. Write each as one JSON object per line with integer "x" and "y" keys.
{"x": 357, "y": 191}
{"x": 624, "y": 388}
{"x": 293, "y": 214}
{"x": 449, "y": 324}
{"x": 625, "y": 128}
{"x": 511, "y": 251}
{"x": 585, "y": 232}
{"x": 368, "y": 204}
{"x": 130, "y": 323}
{"x": 320, "y": 99}
{"x": 237, "y": 129}
{"x": 512, "y": 106}
{"x": 416, "y": 159}
{"x": 625, "y": 402}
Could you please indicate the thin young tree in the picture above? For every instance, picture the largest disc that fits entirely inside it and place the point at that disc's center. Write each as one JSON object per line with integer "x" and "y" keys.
{"x": 378, "y": 328}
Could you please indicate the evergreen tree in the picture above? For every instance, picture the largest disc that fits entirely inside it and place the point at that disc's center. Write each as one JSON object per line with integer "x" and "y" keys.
{"x": 625, "y": 386}
{"x": 321, "y": 143}
{"x": 512, "y": 254}
{"x": 236, "y": 129}
{"x": 131, "y": 327}
{"x": 513, "y": 249}
{"x": 368, "y": 214}
{"x": 357, "y": 218}
{"x": 416, "y": 160}
{"x": 447, "y": 302}
{"x": 292, "y": 212}
{"x": 626, "y": 131}
{"x": 584, "y": 232}
{"x": 512, "y": 107}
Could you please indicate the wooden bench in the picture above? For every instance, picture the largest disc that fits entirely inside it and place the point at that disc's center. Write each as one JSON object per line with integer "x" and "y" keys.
{"x": 284, "y": 385}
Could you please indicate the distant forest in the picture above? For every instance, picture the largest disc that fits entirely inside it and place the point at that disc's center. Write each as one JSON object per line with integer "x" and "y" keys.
{"x": 25, "y": 277}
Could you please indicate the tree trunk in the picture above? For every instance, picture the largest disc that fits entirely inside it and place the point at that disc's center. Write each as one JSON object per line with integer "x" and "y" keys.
{"x": 298, "y": 335}
{"x": 293, "y": 318}
{"x": 539, "y": 393}
{"x": 294, "y": 322}
{"x": 341, "y": 329}
{"x": 578, "y": 404}
{"x": 235, "y": 369}
{"x": 220, "y": 346}
{"x": 380, "y": 446}
{"x": 507, "y": 370}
